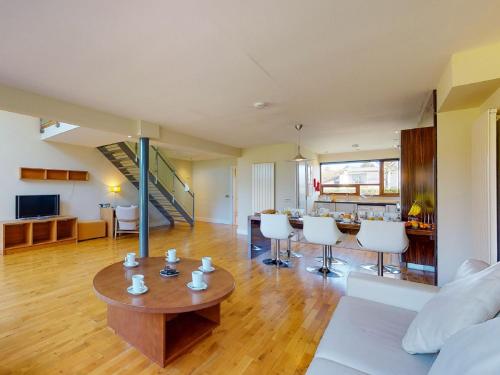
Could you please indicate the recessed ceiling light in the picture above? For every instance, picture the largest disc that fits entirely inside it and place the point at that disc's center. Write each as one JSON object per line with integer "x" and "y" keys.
{"x": 260, "y": 105}
{"x": 129, "y": 136}
{"x": 397, "y": 132}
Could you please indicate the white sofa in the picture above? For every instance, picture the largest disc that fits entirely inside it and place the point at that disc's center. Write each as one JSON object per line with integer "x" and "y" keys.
{"x": 366, "y": 330}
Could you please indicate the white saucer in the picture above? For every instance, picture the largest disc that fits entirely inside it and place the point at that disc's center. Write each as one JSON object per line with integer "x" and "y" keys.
{"x": 135, "y": 264}
{"x": 212, "y": 269}
{"x": 203, "y": 287}
{"x": 176, "y": 261}
{"x": 131, "y": 290}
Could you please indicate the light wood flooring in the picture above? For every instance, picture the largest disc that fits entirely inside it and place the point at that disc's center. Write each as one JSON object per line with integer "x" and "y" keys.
{"x": 52, "y": 323}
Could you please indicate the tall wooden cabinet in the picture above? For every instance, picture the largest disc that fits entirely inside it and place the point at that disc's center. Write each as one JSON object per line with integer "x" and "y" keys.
{"x": 418, "y": 182}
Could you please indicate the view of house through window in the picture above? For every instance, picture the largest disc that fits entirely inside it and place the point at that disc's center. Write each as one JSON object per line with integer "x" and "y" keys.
{"x": 371, "y": 177}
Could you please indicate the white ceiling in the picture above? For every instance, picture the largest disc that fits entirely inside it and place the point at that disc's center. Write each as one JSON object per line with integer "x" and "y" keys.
{"x": 352, "y": 71}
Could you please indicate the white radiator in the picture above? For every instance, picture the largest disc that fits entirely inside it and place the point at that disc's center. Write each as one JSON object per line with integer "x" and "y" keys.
{"x": 262, "y": 187}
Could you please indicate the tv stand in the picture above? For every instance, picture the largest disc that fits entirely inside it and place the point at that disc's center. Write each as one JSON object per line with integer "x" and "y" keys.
{"x": 27, "y": 234}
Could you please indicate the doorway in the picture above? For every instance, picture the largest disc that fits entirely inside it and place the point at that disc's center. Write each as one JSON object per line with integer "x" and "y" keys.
{"x": 234, "y": 195}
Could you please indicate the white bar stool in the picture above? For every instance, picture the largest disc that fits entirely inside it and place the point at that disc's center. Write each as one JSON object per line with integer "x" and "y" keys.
{"x": 383, "y": 237}
{"x": 277, "y": 228}
{"x": 289, "y": 251}
{"x": 322, "y": 231}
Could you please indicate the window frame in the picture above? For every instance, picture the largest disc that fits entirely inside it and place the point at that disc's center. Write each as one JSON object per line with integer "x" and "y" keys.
{"x": 357, "y": 186}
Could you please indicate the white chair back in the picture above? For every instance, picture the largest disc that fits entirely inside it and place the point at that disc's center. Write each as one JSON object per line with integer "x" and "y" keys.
{"x": 127, "y": 213}
{"x": 127, "y": 217}
{"x": 383, "y": 236}
{"x": 275, "y": 226}
{"x": 321, "y": 230}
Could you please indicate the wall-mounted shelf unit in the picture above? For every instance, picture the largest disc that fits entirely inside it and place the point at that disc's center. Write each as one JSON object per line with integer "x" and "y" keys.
{"x": 17, "y": 235}
{"x": 52, "y": 174}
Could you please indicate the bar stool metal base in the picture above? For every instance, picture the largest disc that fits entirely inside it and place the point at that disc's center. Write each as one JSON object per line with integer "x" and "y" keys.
{"x": 325, "y": 271}
{"x": 290, "y": 253}
{"x": 380, "y": 267}
{"x": 276, "y": 262}
{"x": 387, "y": 269}
{"x": 331, "y": 259}
{"x": 277, "y": 259}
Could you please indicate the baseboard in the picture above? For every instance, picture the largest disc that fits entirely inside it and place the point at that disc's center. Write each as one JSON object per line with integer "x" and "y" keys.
{"x": 212, "y": 220}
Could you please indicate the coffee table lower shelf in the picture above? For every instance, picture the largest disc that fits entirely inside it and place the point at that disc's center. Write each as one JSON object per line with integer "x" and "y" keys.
{"x": 163, "y": 337}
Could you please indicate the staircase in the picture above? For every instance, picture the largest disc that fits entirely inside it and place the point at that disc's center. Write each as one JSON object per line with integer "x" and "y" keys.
{"x": 167, "y": 192}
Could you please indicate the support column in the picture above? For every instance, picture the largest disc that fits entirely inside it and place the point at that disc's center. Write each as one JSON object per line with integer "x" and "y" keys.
{"x": 143, "y": 197}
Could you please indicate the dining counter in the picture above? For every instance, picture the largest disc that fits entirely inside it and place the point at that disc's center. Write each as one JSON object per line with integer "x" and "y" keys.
{"x": 419, "y": 253}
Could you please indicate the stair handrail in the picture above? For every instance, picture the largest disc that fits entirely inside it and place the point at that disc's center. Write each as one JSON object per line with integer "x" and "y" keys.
{"x": 172, "y": 168}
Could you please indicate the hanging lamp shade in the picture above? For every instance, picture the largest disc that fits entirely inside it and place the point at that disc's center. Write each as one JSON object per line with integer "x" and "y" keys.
{"x": 299, "y": 157}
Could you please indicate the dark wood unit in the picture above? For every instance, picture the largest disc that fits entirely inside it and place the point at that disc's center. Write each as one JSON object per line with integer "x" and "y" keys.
{"x": 418, "y": 161}
{"x": 418, "y": 183}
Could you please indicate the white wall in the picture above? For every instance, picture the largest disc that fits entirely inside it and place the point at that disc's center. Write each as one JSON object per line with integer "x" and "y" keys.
{"x": 454, "y": 188}
{"x": 20, "y": 146}
{"x": 213, "y": 190}
{"x": 285, "y": 176}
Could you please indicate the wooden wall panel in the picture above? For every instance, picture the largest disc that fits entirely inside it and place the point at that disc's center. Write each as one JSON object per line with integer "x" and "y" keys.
{"x": 418, "y": 161}
{"x": 418, "y": 182}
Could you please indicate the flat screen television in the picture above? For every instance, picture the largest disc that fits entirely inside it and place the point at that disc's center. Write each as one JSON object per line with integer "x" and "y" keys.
{"x": 33, "y": 206}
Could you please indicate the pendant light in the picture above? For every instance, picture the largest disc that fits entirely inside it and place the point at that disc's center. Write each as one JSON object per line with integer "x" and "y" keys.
{"x": 299, "y": 157}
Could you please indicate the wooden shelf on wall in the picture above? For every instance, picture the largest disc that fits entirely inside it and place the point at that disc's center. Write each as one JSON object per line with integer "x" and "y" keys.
{"x": 52, "y": 174}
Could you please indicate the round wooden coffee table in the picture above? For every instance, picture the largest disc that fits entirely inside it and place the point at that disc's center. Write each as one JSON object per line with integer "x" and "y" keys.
{"x": 169, "y": 318}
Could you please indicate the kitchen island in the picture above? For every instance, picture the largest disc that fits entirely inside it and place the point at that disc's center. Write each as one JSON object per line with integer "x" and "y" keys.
{"x": 420, "y": 254}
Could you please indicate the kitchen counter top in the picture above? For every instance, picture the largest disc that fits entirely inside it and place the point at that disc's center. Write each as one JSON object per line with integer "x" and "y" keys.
{"x": 367, "y": 203}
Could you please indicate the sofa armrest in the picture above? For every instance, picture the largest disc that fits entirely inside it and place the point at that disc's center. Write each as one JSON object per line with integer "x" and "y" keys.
{"x": 399, "y": 293}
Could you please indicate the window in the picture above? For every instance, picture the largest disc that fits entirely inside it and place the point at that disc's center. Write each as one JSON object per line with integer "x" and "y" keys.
{"x": 369, "y": 177}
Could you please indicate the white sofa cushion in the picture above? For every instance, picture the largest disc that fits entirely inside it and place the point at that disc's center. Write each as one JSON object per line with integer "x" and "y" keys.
{"x": 470, "y": 267}
{"x": 366, "y": 336}
{"x": 321, "y": 366}
{"x": 399, "y": 293}
{"x": 471, "y": 351}
{"x": 457, "y": 305}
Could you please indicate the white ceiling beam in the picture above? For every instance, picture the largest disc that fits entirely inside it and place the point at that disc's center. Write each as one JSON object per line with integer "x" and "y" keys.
{"x": 31, "y": 104}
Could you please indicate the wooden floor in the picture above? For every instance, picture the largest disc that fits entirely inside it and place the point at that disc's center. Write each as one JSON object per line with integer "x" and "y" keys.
{"x": 52, "y": 323}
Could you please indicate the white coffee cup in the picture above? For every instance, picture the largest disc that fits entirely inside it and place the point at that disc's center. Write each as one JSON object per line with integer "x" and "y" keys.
{"x": 130, "y": 259}
{"x": 197, "y": 279}
{"x": 138, "y": 283}
{"x": 206, "y": 263}
{"x": 171, "y": 255}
